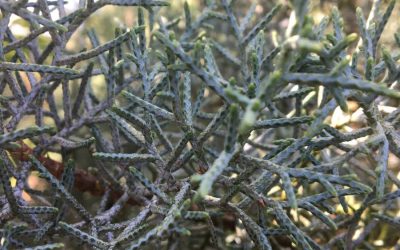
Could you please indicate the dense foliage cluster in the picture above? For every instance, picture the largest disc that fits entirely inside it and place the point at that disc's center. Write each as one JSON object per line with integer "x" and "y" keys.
{"x": 201, "y": 140}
